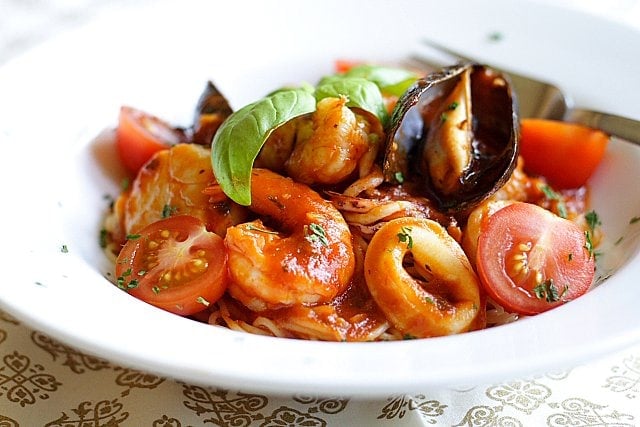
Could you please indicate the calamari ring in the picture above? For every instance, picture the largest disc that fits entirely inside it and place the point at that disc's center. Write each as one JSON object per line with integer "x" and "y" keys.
{"x": 445, "y": 301}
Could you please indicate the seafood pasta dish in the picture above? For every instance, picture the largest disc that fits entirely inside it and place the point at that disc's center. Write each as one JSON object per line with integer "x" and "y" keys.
{"x": 376, "y": 204}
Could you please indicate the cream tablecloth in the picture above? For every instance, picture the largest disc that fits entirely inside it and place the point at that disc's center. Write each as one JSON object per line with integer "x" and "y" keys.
{"x": 45, "y": 382}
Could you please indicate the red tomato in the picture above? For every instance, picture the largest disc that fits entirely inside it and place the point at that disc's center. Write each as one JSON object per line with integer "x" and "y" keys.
{"x": 530, "y": 260}
{"x": 140, "y": 135}
{"x": 174, "y": 264}
{"x": 565, "y": 153}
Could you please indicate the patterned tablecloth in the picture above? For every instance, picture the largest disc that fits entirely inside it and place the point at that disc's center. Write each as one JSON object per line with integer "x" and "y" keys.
{"x": 45, "y": 382}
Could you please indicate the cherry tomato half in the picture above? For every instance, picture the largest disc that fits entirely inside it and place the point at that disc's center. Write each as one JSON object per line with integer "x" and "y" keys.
{"x": 140, "y": 135}
{"x": 530, "y": 260}
{"x": 174, "y": 264}
{"x": 566, "y": 154}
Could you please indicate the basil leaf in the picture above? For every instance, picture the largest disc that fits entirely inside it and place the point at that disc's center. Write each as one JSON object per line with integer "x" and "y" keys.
{"x": 361, "y": 93}
{"x": 394, "y": 81}
{"x": 241, "y": 136}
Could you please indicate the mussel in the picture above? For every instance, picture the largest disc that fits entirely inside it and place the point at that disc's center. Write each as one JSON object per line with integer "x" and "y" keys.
{"x": 212, "y": 109}
{"x": 454, "y": 134}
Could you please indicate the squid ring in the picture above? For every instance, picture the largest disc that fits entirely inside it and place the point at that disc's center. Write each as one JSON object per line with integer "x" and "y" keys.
{"x": 440, "y": 297}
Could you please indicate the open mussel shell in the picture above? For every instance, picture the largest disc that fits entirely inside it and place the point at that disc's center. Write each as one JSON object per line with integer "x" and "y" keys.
{"x": 453, "y": 136}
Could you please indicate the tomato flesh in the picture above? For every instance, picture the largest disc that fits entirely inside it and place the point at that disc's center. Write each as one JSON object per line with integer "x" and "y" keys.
{"x": 140, "y": 135}
{"x": 530, "y": 260}
{"x": 174, "y": 264}
{"x": 566, "y": 154}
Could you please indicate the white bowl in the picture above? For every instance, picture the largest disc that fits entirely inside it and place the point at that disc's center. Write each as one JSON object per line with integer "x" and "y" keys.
{"x": 57, "y": 101}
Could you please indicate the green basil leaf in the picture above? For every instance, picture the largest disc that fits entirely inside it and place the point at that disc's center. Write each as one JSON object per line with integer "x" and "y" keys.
{"x": 361, "y": 93}
{"x": 391, "y": 80}
{"x": 240, "y": 138}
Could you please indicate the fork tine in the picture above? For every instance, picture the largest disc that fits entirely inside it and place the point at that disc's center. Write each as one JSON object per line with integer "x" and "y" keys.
{"x": 538, "y": 98}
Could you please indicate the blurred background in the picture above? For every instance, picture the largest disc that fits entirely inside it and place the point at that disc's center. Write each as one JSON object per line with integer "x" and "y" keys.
{"x": 25, "y": 23}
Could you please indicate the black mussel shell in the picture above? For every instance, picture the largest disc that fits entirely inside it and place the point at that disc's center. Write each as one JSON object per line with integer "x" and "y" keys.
{"x": 492, "y": 133}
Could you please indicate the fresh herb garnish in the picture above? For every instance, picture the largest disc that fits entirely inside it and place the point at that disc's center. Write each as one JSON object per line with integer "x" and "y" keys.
{"x": 64, "y": 249}
{"x": 552, "y": 195}
{"x": 593, "y": 220}
{"x": 240, "y": 138}
{"x": 360, "y": 93}
{"x": 168, "y": 210}
{"x": 548, "y": 291}
{"x": 394, "y": 81}
{"x": 315, "y": 233}
{"x": 588, "y": 245}
{"x": 103, "y": 239}
{"x": 122, "y": 282}
{"x": 404, "y": 236}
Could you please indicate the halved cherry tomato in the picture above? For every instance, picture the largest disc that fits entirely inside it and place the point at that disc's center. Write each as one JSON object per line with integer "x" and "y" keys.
{"x": 530, "y": 260}
{"x": 140, "y": 135}
{"x": 566, "y": 154}
{"x": 174, "y": 264}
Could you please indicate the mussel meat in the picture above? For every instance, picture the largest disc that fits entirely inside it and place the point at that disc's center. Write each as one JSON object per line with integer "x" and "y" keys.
{"x": 454, "y": 134}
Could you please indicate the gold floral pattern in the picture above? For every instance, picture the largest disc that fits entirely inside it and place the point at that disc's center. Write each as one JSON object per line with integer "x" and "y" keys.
{"x": 24, "y": 383}
{"x": 581, "y": 412}
{"x": 324, "y": 405}
{"x": 627, "y": 378}
{"x": 224, "y": 408}
{"x": 131, "y": 379}
{"x": 87, "y": 414}
{"x": 487, "y": 417}
{"x": 289, "y": 417}
{"x": 45, "y": 382}
{"x": 76, "y": 361}
{"x": 165, "y": 421}
{"x": 525, "y": 396}
{"x": 8, "y": 422}
{"x": 398, "y": 406}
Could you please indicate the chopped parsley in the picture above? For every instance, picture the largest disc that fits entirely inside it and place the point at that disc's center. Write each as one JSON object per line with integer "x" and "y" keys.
{"x": 552, "y": 195}
{"x": 133, "y": 236}
{"x": 64, "y": 249}
{"x": 593, "y": 220}
{"x": 315, "y": 233}
{"x": 103, "y": 239}
{"x": 405, "y": 236}
{"x": 588, "y": 245}
{"x": 123, "y": 283}
{"x": 124, "y": 184}
{"x": 168, "y": 210}
{"x": 548, "y": 291}
{"x": 495, "y": 36}
{"x": 399, "y": 177}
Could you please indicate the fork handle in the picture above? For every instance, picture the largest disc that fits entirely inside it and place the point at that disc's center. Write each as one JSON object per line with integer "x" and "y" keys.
{"x": 618, "y": 126}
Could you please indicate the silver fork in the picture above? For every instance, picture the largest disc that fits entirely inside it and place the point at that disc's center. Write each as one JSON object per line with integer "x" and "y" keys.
{"x": 542, "y": 99}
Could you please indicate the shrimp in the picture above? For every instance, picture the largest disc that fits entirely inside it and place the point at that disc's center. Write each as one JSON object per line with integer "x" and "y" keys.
{"x": 335, "y": 143}
{"x": 173, "y": 182}
{"x": 445, "y": 301}
{"x": 310, "y": 263}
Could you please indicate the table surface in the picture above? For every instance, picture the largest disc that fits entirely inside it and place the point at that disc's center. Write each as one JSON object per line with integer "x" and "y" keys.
{"x": 45, "y": 382}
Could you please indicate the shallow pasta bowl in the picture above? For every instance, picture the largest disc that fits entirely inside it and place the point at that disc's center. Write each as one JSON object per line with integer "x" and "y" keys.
{"x": 59, "y": 173}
